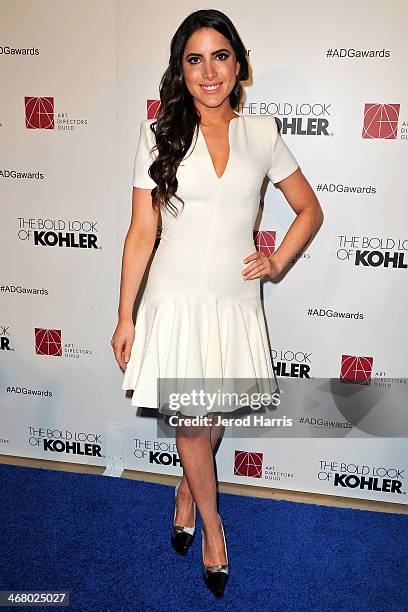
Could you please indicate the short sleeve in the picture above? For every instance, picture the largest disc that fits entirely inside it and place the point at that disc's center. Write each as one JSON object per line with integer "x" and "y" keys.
{"x": 283, "y": 162}
{"x": 144, "y": 157}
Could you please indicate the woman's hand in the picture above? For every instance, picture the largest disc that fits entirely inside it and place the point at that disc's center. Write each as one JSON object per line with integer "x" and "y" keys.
{"x": 122, "y": 341}
{"x": 261, "y": 266}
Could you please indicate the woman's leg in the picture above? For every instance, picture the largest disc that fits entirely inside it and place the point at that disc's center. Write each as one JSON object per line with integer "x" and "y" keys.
{"x": 216, "y": 431}
{"x": 185, "y": 509}
{"x": 195, "y": 447}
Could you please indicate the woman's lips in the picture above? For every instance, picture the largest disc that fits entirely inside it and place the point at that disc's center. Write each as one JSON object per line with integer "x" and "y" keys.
{"x": 211, "y": 89}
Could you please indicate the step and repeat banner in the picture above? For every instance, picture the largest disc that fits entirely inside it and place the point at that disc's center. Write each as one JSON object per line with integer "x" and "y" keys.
{"x": 73, "y": 98}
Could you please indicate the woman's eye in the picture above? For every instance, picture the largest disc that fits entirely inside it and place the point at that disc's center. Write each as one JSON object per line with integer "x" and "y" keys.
{"x": 222, "y": 55}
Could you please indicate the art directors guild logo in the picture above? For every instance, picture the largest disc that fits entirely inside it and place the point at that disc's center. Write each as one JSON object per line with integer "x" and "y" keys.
{"x": 356, "y": 369}
{"x": 373, "y": 252}
{"x": 381, "y": 121}
{"x": 250, "y": 464}
{"x": 265, "y": 241}
{"x": 49, "y": 342}
{"x": 66, "y": 442}
{"x": 59, "y": 233}
{"x": 40, "y": 115}
{"x": 362, "y": 477}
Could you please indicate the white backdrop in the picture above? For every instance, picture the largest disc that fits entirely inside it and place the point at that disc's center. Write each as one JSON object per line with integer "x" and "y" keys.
{"x": 70, "y": 114}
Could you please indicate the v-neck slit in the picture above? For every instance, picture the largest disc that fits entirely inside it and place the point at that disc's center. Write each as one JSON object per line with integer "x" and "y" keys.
{"x": 230, "y": 149}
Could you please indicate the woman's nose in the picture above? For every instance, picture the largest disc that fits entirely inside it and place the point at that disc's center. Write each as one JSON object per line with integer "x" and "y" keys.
{"x": 208, "y": 71}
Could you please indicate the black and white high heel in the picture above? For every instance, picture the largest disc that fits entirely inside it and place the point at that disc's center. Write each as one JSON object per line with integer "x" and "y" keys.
{"x": 216, "y": 576}
{"x": 181, "y": 537}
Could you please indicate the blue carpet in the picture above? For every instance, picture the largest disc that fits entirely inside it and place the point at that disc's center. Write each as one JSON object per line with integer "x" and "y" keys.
{"x": 107, "y": 541}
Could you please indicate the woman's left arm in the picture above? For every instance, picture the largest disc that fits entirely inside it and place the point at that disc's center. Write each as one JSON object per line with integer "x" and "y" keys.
{"x": 309, "y": 217}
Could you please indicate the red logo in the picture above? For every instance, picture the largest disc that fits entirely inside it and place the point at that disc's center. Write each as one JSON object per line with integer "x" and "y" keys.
{"x": 152, "y": 108}
{"x": 39, "y": 113}
{"x": 380, "y": 121}
{"x": 48, "y": 341}
{"x": 248, "y": 464}
{"x": 356, "y": 369}
{"x": 265, "y": 241}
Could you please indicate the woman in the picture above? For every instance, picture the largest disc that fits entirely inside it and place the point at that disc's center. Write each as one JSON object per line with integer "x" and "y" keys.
{"x": 201, "y": 165}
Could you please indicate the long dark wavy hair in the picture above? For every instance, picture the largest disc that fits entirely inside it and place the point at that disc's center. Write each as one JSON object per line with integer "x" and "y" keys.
{"x": 177, "y": 117}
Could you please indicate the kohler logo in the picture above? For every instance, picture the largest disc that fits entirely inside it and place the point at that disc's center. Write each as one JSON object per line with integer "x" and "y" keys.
{"x": 371, "y": 483}
{"x": 164, "y": 458}
{"x": 376, "y": 259}
{"x": 65, "y": 239}
{"x": 72, "y": 448}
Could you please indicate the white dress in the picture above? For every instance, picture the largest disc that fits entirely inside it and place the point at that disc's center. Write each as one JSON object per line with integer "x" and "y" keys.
{"x": 198, "y": 318}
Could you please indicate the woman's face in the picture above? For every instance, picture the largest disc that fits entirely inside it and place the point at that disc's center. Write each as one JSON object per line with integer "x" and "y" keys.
{"x": 210, "y": 67}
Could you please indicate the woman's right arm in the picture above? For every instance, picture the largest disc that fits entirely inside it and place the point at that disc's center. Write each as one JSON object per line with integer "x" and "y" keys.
{"x": 137, "y": 249}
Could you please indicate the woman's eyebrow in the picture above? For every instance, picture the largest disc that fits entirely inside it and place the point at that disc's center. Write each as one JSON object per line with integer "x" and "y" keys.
{"x": 213, "y": 53}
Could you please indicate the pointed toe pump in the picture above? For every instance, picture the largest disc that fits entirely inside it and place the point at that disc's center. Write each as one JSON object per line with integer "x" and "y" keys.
{"x": 216, "y": 576}
{"x": 181, "y": 537}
